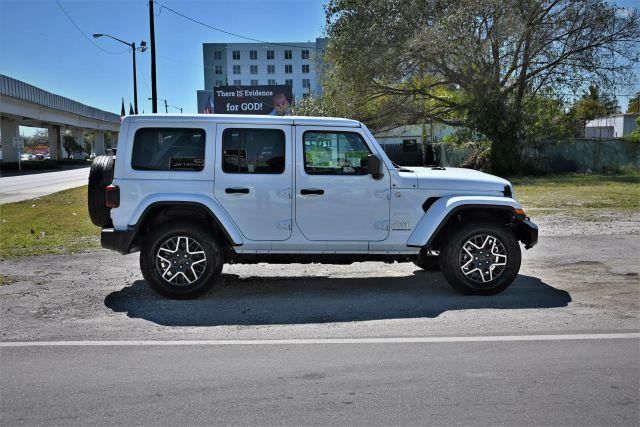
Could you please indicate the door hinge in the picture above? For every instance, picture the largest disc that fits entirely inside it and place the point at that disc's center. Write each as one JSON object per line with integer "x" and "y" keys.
{"x": 383, "y": 194}
{"x": 286, "y": 192}
{"x": 284, "y": 225}
{"x": 381, "y": 225}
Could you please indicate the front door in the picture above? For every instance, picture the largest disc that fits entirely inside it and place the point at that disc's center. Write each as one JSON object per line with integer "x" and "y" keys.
{"x": 253, "y": 178}
{"x": 336, "y": 196}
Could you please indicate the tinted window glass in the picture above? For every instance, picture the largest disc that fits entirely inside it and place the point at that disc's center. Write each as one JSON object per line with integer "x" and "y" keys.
{"x": 164, "y": 149}
{"x": 335, "y": 153}
{"x": 253, "y": 151}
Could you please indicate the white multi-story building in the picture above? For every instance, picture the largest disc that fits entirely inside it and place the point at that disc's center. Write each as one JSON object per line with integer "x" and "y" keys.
{"x": 298, "y": 64}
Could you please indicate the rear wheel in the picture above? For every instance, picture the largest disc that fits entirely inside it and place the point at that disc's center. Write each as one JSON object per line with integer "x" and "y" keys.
{"x": 181, "y": 260}
{"x": 481, "y": 258}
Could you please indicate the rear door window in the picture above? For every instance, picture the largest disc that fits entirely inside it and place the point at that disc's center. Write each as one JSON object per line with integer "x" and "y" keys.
{"x": 253, "y": 151}
{"x": 168, "y": 149}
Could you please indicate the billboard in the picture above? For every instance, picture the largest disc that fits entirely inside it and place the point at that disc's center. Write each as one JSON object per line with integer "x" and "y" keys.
{"x": 274, "y": 100}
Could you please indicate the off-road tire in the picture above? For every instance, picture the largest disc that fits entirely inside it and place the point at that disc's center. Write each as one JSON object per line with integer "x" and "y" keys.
{"x": 427, "y": 262}
{"x": 450, "y": 262}
{"x": 100, "y": 176}
{"x": 164, "y": 233}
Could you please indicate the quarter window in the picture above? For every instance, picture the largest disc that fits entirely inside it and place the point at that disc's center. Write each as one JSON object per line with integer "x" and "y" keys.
{"x": 253, "y": 151}
{"x": 168, "y": 149}
{"x": 335, "y": 153}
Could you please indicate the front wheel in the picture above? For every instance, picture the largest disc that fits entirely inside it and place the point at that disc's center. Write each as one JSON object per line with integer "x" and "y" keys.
{"x": 181, "y": 260}
{"x": 481, "y": 258}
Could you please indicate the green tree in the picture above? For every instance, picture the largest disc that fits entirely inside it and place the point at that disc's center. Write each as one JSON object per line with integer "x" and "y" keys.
{"x": 634, "y": 104}
{"x": 478, "y": 63}
{"x": 594, "y": 104}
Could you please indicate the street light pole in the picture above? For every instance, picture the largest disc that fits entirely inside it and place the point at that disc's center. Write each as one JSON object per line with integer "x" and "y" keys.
{"x": 142, "y": 48}
{"x": 167, "y": 105}
{"x": 152, "y": 38}
{"x": 135, "y": 79}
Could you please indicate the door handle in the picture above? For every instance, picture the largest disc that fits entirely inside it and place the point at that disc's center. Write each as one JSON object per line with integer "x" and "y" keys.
{"x": 236, "y": 190}
{"x": 311, "y": 191}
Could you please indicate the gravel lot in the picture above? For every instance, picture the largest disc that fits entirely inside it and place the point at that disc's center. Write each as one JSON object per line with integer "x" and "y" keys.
{"x": 582, "y": 276}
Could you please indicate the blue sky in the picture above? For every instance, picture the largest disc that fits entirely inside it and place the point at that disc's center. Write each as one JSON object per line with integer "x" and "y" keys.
{"x": 40, "y": 46}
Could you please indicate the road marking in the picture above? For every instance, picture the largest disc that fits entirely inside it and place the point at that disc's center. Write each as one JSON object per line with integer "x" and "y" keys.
{"x": 392, "y": 340}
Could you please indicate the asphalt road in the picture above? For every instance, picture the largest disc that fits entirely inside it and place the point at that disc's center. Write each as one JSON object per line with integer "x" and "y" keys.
{"x": 85, "y": 341}
{"x": 23, "y": 187}
{"x": 560, "y": 382}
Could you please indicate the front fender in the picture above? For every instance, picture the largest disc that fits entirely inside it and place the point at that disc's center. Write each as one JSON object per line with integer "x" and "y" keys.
{"x": 442, "y": 209}
{"x": 223, "y": 219}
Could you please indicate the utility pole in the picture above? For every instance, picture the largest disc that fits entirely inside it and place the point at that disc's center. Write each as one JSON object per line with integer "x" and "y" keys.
{"x": 152, "y": 36}
{"x": 135, "y": 79}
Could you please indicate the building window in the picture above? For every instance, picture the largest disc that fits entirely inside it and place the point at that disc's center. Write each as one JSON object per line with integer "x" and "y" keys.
{"x": 288, "y": 68}
{"x": 253, "y": 151}
{"x": 306, "y": 83}
{"x": 218, "y": 69}
{"x": 167, "y": 149}
{"x": 409, "y": 145}
{"x": 271, "y": 81}
{"x": 253, "y": 69}
{"x": 334, "y": 153}
{"x": 271, "y": 69}
{"x": 217, "y": 55}
{"x": 236, "y": 54}
{"x": 219, "y": 82}
{"x": 288, "y": 54}
{"x": 253, "y": 55}
{"x": 305, "y": 68}
{"x": 288, "y": 82}
{"x": 271, "y": 54}
{"x": 237, "y": 82}
{"x": 305, "y": 54}
{"x": 254, "y": 82}
{"x": 236, "y": 69}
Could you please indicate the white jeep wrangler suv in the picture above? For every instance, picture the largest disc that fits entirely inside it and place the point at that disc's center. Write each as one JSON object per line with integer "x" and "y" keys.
{"x": 194, "y": 192}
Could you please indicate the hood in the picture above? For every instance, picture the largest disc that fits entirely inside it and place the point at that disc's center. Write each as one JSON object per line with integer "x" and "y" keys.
{"x": 457, "y": 179}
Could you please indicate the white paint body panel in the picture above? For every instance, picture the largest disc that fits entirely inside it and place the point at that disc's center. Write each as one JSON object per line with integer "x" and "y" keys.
{"x": 348, "y": 218}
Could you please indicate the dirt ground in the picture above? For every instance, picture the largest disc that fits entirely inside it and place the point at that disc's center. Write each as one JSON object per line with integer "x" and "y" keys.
{"x": 583, "y": 276}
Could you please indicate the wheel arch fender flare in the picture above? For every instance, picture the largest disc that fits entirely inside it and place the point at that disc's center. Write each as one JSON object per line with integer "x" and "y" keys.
{"x": 442, "y": 209}
{"x": 210, "y": 205}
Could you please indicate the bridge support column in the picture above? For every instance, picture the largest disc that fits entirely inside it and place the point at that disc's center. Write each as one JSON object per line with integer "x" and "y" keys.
{"x": 78, "y": 136}
{"x": 98, "y": 142}
{"x": 55, "y": 143}
{"x": 9, "y": 129}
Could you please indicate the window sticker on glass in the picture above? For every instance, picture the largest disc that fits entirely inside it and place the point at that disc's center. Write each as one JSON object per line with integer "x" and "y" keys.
{"x": 186, "y": 163}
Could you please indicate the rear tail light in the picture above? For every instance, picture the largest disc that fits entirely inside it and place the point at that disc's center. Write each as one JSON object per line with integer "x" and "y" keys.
{"x": 112, "y": 196}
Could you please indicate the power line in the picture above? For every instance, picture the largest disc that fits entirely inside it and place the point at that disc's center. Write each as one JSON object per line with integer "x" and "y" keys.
{"x": 84, "y": 34}
{"x": 229, "y": 32}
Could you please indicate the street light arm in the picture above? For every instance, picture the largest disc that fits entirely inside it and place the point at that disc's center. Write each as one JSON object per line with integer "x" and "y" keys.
{"x": 131, "y": 45}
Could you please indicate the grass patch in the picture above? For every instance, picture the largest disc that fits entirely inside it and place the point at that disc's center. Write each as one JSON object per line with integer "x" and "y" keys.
{"x": 7, "y": 280}
{"x": 572, "y": 192}
{"x": 55, "y": 224}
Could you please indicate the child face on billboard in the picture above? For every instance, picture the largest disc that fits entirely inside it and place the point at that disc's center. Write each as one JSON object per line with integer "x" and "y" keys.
{"x": 280, "y": 103}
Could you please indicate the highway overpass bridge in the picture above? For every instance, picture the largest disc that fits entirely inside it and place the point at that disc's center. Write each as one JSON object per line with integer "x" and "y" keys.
{"x": 27, "y": 105}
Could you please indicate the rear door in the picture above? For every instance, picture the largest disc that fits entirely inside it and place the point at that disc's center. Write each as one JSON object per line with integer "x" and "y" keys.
{"x": 253, "y": 178}
{"x": 337, "y": 199}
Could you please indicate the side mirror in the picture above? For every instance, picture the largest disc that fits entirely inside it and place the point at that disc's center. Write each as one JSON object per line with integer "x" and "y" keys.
{"x": 375, "y": 166}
